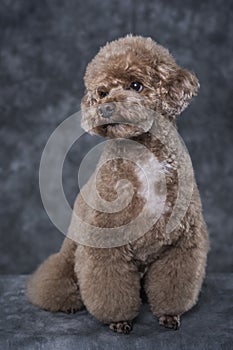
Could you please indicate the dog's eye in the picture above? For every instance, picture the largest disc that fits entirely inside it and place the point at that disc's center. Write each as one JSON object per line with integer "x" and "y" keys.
{"x": 136, "y": 86}
{"x": 102, "y": 94}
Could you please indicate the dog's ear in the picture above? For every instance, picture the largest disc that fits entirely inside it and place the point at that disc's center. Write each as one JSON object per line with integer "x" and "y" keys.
{"x": 176, "y": 88}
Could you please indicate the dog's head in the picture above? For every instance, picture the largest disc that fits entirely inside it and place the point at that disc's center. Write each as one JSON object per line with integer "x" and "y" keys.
{"x": 127, "y": 81}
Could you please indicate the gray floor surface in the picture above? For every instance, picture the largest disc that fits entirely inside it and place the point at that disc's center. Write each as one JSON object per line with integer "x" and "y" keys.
{"x": 209, "y": 325}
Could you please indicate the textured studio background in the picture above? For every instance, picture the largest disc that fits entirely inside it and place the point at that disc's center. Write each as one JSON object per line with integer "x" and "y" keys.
{"x": 45, "y": 46}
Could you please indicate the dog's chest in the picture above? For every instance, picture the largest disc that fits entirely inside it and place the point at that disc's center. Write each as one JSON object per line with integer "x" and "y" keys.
{"x": 151, "y": 174}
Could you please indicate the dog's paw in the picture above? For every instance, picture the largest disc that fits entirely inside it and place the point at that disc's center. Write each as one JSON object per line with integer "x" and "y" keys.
{"x": 121, "y": 327}
{"x": 72, "y": 304}
{"x": 168, "y": 321}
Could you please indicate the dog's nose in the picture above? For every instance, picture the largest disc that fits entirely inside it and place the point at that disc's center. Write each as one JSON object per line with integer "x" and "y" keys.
{"x": 106, "y": 110}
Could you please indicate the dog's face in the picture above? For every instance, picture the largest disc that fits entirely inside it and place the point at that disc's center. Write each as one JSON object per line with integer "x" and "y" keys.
{"x": 127, "y": 82}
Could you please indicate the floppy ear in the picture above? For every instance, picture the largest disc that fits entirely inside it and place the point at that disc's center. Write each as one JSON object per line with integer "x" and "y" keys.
{"x": 177, "y": 87}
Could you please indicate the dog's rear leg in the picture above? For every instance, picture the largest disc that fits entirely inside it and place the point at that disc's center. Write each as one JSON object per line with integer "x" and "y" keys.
{"x": 53, "y": 286}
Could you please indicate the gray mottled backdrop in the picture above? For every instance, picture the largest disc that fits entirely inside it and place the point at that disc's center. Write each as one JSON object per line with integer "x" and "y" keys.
{"x": 45, "y": 46}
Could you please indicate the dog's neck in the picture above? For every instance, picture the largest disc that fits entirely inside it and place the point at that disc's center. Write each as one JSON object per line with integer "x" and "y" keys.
{"x": 159, "y": 139}
{"x": 153, "y": 144}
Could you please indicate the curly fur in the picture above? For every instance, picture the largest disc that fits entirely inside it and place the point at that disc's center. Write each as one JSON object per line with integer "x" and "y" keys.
{"x": 108, "y": 280}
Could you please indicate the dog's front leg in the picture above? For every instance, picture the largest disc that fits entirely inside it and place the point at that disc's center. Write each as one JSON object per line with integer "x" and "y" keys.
{"x": 173, "y": 282}
{"x": 109, "y": 285}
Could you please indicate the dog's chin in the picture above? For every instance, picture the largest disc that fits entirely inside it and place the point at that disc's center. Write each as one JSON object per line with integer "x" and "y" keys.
{"x": 118, "y": 130}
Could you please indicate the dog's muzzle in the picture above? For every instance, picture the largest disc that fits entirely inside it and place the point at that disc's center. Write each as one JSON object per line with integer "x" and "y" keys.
{"x": 106, "y": 110}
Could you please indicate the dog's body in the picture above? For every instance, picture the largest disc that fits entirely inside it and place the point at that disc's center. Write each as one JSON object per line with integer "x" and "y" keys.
{"x": 107, "y": 279}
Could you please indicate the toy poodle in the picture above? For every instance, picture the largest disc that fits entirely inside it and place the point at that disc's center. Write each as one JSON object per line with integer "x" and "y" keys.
{"x": 130, "y": 84}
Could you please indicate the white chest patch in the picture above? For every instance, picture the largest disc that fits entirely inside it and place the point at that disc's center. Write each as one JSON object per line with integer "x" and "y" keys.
{"x": 151, "y": 174}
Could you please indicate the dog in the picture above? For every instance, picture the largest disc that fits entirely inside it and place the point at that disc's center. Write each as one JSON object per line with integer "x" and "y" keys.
{"x": 131, "y": 84}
